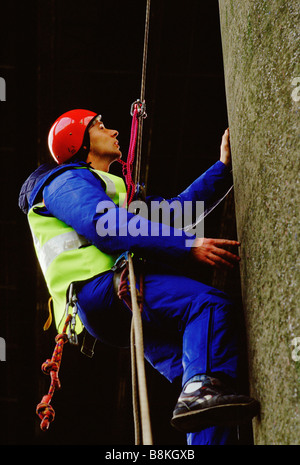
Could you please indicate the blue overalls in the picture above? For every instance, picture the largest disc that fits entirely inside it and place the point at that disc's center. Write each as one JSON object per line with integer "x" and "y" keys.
{"x": 189, "y": 327}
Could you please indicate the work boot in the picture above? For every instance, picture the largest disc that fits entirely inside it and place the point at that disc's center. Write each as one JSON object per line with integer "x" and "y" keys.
{"x": 212, "y": 404}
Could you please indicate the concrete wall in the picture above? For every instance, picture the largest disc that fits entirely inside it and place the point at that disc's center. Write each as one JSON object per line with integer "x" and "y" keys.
{"x": 260, "y": 40}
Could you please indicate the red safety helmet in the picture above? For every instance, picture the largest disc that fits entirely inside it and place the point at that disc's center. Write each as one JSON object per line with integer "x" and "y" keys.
{"x": 66, "y": 135}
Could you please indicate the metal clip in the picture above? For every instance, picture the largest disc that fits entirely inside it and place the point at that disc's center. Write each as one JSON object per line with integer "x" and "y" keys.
{"x": 72, "y": 302}
{"x": 141, "y": 106}
{"x": 120, "y": 262}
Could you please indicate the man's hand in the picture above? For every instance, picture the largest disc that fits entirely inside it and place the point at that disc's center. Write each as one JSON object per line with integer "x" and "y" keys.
{"x": 212, "y": 252}
{"x": 225, "y": 154}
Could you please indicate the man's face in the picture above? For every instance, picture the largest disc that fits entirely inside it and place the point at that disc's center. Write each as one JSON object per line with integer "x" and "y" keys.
{"x": 103, "y": 141}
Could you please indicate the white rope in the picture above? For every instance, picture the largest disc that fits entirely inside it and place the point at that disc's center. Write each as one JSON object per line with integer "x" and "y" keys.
{"x": 137, "y": 357}
{"x": 142, "y": 96}
{"x": 141, "y": 413}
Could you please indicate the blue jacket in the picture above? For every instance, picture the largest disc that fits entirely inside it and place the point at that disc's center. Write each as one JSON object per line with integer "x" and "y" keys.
{"x": 72, "y": 196}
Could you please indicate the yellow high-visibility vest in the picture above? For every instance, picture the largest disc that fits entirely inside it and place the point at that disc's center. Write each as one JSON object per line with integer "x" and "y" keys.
{"x": 64, "y": 256}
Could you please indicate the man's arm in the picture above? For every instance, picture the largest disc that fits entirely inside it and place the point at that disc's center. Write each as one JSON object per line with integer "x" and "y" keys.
{"x": 215, "y": 182}
{"x": 77, "y": 198}
{"x": 203, "y": 193}
{"x": 74, "y": 198}
{"x": 212, "y": 184}
{"x": 213, "y": 251}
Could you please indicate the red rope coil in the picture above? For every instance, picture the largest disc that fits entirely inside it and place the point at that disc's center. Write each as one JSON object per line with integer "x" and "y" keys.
{"x": 51, "y": 367}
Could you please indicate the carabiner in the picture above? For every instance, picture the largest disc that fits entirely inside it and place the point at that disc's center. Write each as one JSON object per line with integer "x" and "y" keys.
{"x": 72, "y": 301}
{"x": 141, "y": 107}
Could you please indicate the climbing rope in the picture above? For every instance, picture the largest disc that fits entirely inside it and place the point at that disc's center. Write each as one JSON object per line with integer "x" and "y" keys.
{"x": 139, "y": 386}
{"x": 128, "y": 165}
{"x": 133, "y": 298}
{"x": 142, "y": 95}
{"x": 51, "y": 367}
{"x": 138, "y": 113}
{"x": 138, "y": 373}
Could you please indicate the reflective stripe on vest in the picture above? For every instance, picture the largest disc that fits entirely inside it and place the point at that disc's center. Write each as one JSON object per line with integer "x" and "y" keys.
{"x": 57, "y": 245}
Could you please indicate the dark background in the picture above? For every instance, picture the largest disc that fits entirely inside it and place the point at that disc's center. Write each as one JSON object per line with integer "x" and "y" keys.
{"x": 55, "y": 56}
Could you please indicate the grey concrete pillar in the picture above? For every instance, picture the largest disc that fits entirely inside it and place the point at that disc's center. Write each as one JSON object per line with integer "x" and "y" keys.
{"x": 260, "y": 40}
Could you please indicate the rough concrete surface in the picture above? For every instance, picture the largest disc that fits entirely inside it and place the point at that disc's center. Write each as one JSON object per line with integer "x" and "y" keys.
{"x": 260, "y": 40}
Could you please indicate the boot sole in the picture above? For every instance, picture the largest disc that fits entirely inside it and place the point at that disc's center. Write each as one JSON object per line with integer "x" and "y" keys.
{"x": 218, "y": 415}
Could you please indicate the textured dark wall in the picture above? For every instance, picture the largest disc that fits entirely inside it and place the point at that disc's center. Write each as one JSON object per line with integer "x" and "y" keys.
{"x": 261, "y": 60}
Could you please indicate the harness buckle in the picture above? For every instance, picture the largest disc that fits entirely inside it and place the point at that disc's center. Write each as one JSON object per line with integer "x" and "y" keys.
{"x": 121, "y": 262}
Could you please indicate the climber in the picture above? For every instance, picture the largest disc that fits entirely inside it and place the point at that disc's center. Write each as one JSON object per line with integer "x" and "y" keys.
{"x": 189, "y": 327}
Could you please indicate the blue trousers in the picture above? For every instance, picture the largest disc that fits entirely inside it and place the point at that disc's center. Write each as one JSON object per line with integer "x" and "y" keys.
{"x": 189, "y": 328}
